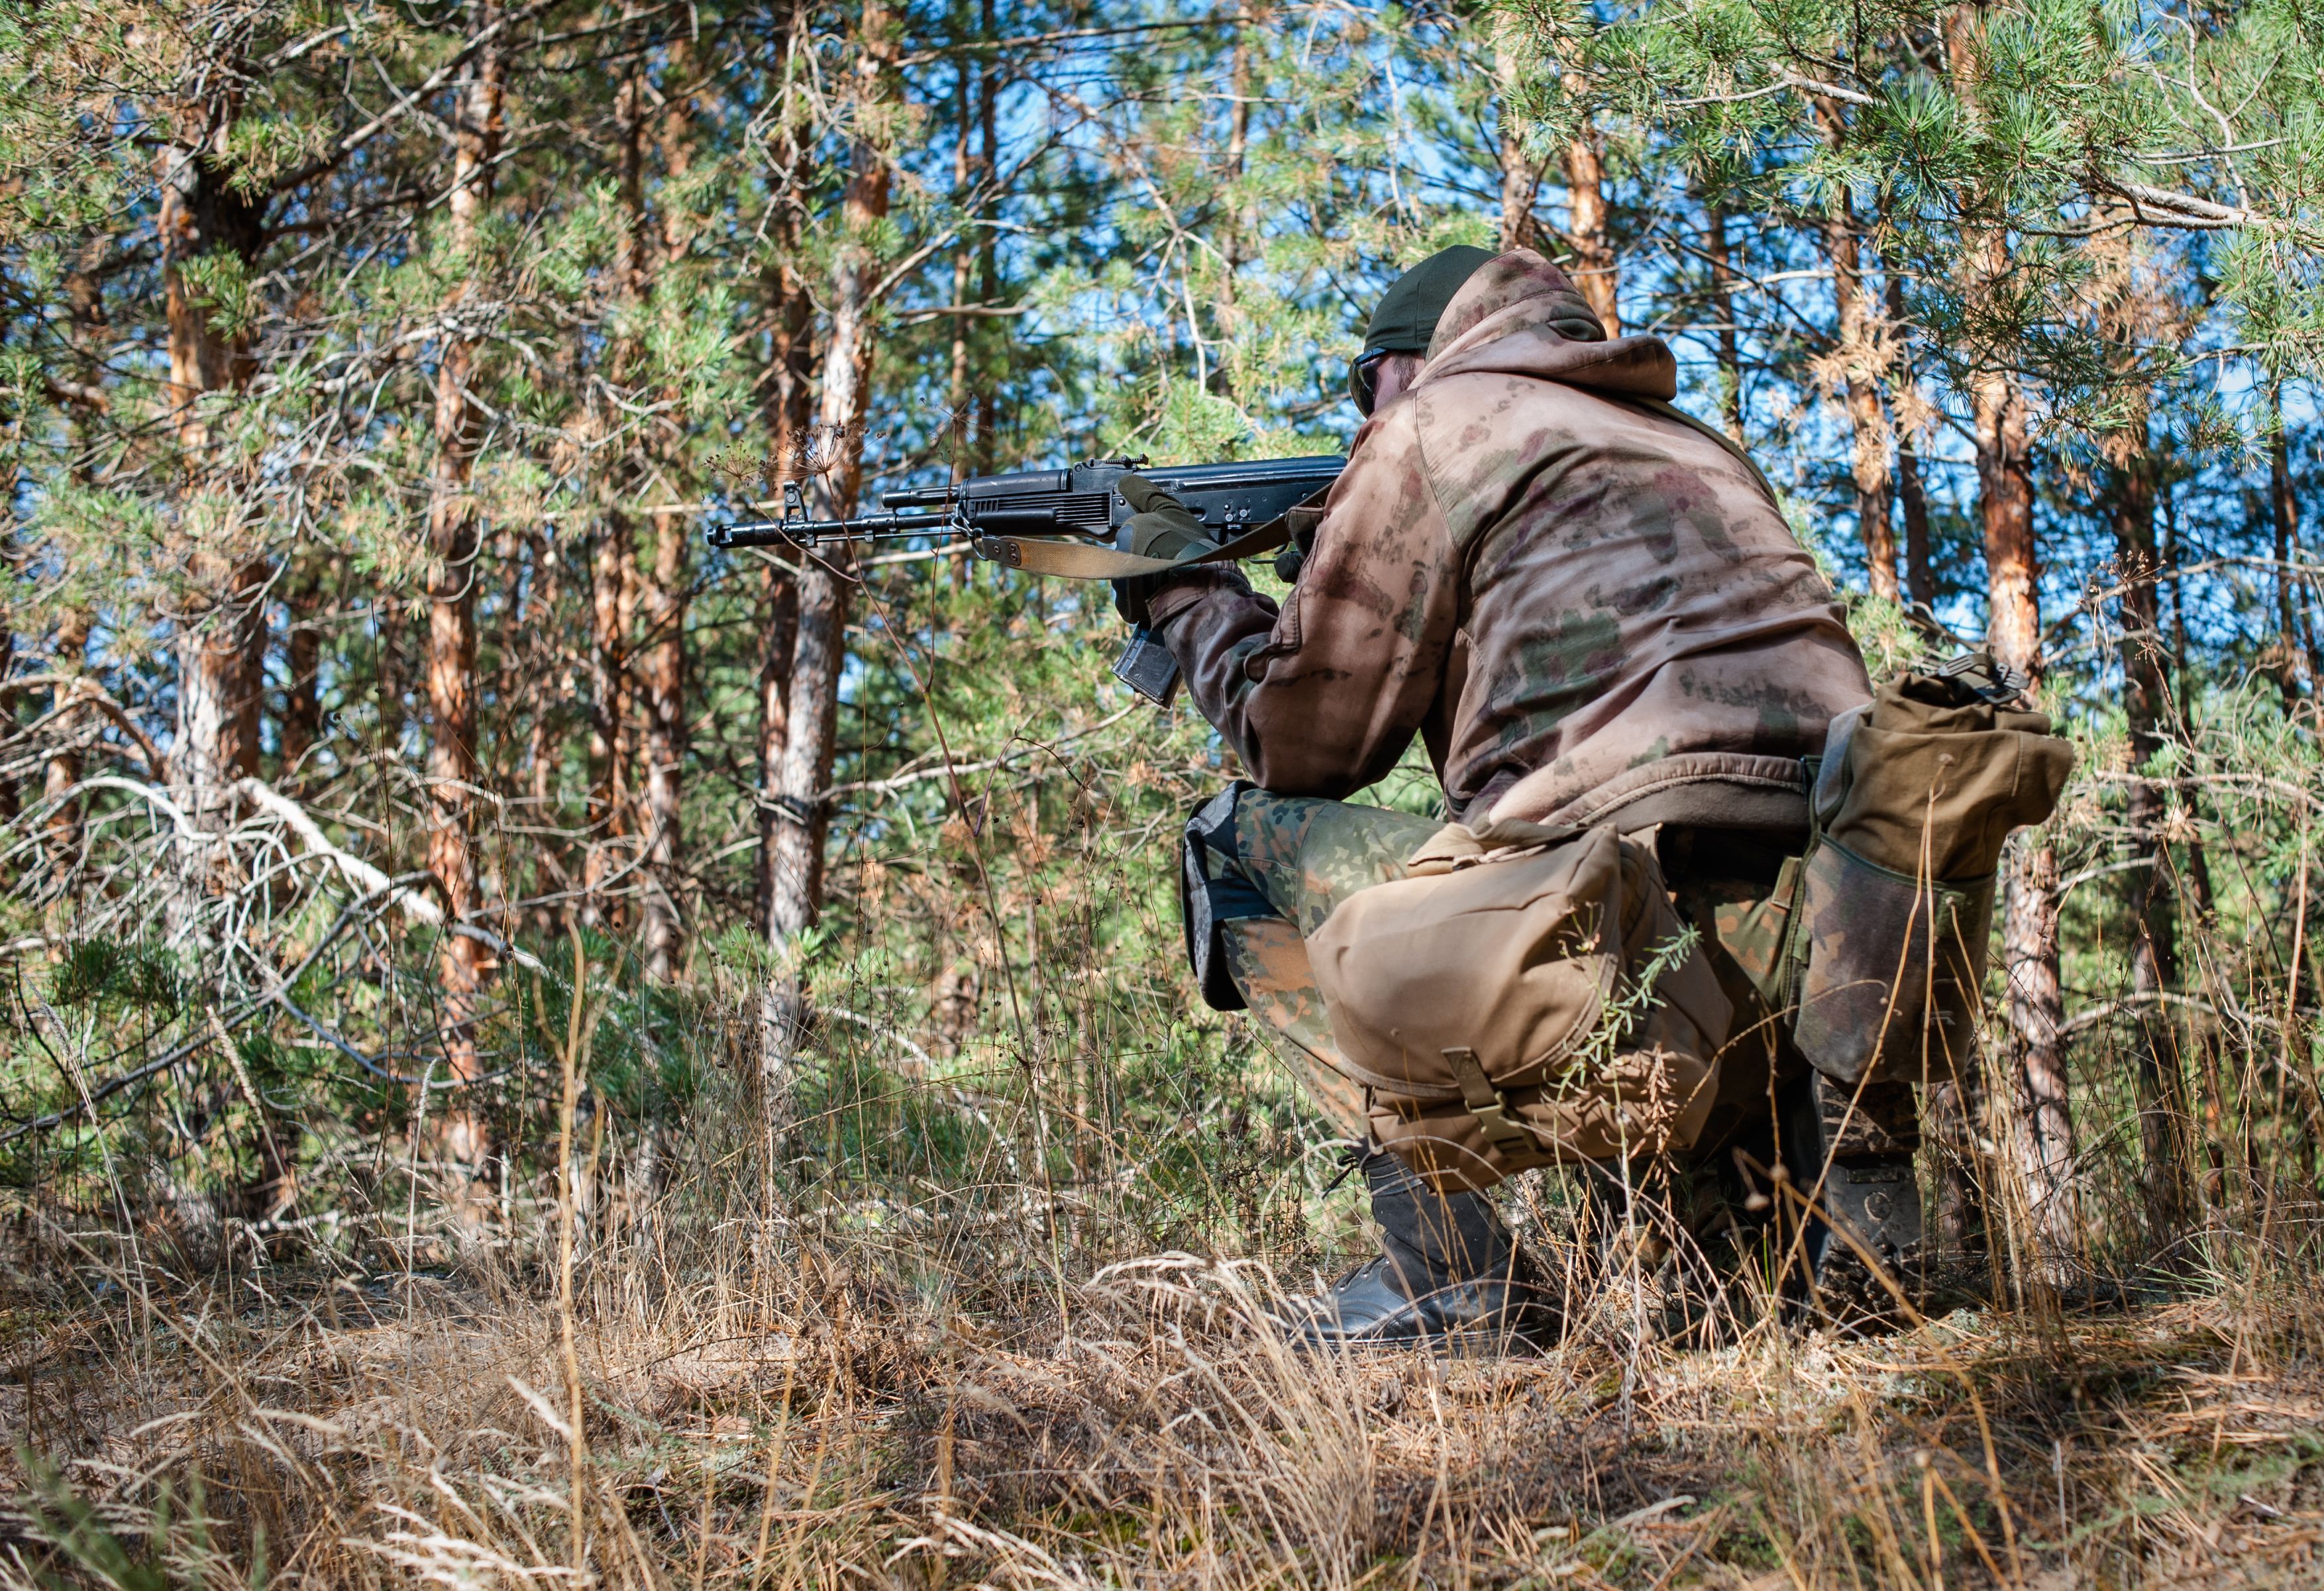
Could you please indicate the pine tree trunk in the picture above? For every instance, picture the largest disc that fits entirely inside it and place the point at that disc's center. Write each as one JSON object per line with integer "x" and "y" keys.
{"x": 2044, "y": 1122}
{"x": 614, "y": 576}
{"x": 662, "y": 671}
{"x": 1595, "y": 273}
{"x": 1722, "y": 310}
{"x": 778, "y": 634}
{"x": 1520, "y": 177}
{"x": 454, "y": 548}
{"x": 985, "y": 448}
{"x": 963, "y": 263}
{"x": 2041, "y": 1131}
{"x": 790, "y": 393}
{"x": 85, "y": 325}
{"x": 1241, "y": 225}
{"x": 1911, "y": 499}
{"x": 613, "y": 597}
{"x": 302, "y": 702}
{"x": 220, "y": 651}
{"x": 661, "y": 679}
{"x": 2283, "y": 514}
{"x": 1857, "y": 357}
{"x": 391, "y": 683}
{"x": 2163, "y": 1125}
{"x": 825, "y": 588}
{"x": 63, "y": 770}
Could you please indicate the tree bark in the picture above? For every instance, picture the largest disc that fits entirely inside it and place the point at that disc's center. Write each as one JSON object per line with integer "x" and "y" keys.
{"x": 613, "y": 598}
{"x": 1857, "y": 355}
{"x": 302, "y": 700}
{"x": 86, "y": 323}
{"x": 453, "y": 546}
{"x": 613, "y": 580}
{"x": 986, "y": 448}
{"x": 1520, "y": 175}
{"x": 2283, "y": 513}
{"x": 1596, "y": 273}
{"x": 221, "y": 643}
{"x": 1722, "y": 307}
{"x": 2044, "y": 1127}
{"x": 963, "y": 263}
{"x": 790, "y": 392}
{"x": 1920, "y": 556}
{"x": 779, "y": 607}
{"x": 662, "y": 607}
{"x": 63, "y": 770}
{"x": 825, "y": 582}
{"x": 1241, "y": 220}
{"x": 2163, "y": 1125}
{"x": 2043, "y": 1132}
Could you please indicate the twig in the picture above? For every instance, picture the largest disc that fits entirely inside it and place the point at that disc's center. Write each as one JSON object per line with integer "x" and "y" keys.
{"x": 577, "y": 1039}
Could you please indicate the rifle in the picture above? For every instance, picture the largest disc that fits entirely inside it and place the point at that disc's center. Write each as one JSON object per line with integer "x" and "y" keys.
{"x": 1071, "y": 522}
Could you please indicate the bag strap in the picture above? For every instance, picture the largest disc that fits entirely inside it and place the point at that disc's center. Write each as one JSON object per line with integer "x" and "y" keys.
{"x": 1486, "y": 1103}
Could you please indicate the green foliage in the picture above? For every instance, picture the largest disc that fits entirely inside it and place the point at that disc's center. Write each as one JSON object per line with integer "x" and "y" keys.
{"x": 138, "y": 972}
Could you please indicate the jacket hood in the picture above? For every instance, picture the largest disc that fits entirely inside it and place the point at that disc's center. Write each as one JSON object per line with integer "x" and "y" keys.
{"x": 1519, "y": 315}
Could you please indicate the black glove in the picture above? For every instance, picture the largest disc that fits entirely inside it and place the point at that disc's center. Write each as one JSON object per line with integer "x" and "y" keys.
{"x": 1161, "y": 526}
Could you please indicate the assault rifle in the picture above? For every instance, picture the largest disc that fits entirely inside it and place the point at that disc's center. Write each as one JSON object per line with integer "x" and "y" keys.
{"x": 1070, "y": 522}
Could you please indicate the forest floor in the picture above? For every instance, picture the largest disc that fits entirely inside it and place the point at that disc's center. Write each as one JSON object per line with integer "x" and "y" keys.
{"x": 290, "y": 1427}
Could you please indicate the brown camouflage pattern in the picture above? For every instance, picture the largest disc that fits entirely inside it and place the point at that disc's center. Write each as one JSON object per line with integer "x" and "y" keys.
{"x": 1306, "y": 856}
{"x": 1538, "y": 572}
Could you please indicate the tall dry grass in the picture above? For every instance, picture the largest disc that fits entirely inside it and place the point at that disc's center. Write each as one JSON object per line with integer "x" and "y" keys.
{"x": 989, "y": 1308}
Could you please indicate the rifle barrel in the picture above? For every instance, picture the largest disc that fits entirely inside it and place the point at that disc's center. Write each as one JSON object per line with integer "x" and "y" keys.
{"x": 789, "y": 532}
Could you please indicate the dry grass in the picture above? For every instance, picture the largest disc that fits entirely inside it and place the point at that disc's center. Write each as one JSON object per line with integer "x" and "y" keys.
{"x": 781, "y": 1419}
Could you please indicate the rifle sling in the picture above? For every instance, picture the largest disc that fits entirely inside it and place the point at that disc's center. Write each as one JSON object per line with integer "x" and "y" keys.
{"x": 1079, "y": 560}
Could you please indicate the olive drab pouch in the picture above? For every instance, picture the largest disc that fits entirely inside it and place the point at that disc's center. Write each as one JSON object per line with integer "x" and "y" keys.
{"x": 1885, "y": 921}
{"x": 1527, "y": 995}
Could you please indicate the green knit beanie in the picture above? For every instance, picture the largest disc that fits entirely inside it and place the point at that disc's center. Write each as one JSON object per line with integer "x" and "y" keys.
{"x": 1409, "y": 310}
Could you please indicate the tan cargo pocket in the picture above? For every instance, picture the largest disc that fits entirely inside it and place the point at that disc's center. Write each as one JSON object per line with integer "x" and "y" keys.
{"x": 1872, "y": 996}
{"x": 1531, "y": 997}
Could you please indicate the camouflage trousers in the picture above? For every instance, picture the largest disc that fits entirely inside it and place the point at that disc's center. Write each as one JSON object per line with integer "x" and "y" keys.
{"x": 1259, "y": 872}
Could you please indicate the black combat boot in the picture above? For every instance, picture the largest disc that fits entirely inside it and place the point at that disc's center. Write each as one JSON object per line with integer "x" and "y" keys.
{"x": 1449, "y": 1275}
{"x": 1859, "y": 1145}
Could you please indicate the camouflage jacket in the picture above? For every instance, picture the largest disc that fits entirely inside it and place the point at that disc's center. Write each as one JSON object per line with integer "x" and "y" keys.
{"x": 1584, "y": 602}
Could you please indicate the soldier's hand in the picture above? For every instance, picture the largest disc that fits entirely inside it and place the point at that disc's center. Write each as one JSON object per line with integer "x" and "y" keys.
{"x": 1160, "y": 526}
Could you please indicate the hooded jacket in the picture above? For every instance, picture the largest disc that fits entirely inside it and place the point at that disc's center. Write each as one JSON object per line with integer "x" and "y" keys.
{"x": 1587, "y": 604}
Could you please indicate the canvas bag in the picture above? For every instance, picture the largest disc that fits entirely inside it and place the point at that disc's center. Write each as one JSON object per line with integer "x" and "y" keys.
{"x": 1875, "y": 938}
{"x": 1489, "y": 1003}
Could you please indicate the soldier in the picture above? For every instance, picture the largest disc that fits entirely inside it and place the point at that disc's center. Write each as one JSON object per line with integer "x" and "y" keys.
{"x": 1588, "y": 606}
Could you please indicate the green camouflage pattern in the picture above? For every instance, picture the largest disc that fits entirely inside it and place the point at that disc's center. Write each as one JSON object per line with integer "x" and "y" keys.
{"x": 1538, "y": 570}
{"x": 1306, "y": 856}
{"x": 1754, "y": 933}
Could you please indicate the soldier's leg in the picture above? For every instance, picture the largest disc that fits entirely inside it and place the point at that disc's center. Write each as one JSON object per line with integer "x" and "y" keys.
{"x": 1259, "y": 872}
{"x": 1851, "y": 1147}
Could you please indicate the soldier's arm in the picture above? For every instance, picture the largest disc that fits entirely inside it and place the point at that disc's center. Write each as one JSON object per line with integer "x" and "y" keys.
{"x": 1322, "y": 697}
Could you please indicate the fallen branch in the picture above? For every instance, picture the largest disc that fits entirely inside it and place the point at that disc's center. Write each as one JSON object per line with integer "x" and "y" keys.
{"x": 365, "y": 877}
